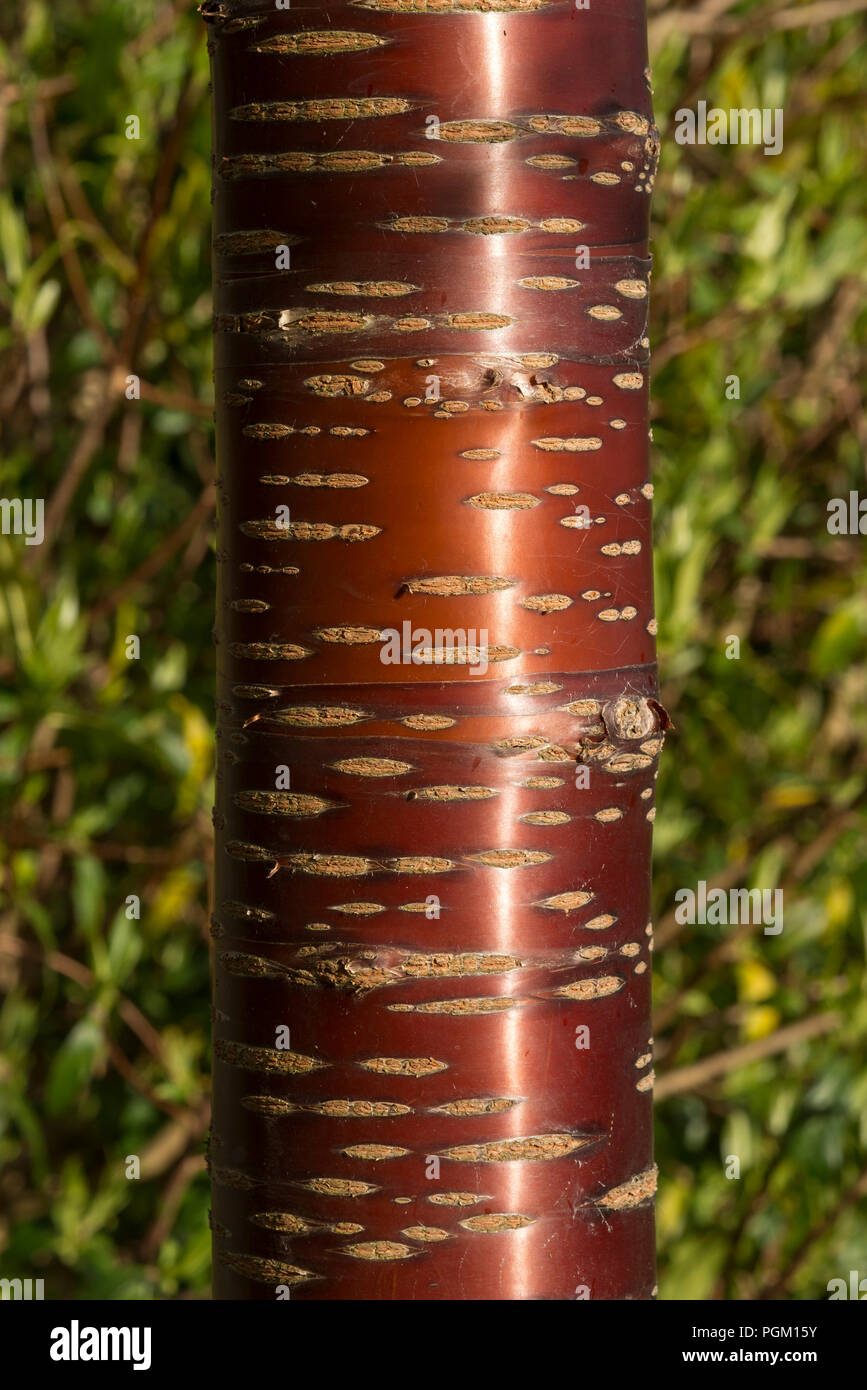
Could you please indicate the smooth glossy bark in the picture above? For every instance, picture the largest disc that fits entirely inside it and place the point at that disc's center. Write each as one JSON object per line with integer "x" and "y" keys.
{"x": 432, "y": 1054}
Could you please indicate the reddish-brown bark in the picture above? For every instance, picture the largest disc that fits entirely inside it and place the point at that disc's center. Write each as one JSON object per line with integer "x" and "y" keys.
{"x": 456, "y": 881}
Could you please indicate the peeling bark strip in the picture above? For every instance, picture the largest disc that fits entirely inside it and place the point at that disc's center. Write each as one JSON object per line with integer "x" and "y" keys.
{"x": 438, "y": 717}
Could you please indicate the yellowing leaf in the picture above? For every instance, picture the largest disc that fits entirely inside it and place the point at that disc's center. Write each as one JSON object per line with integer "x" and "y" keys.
{"x": 792, "y": 794}
{"x": 198, "y": 741}
{"x": 177, "y": 889}
{"x": 839, "y": 903}
{"x": 761, "y": 1021}
{"x": 755, "y": 981}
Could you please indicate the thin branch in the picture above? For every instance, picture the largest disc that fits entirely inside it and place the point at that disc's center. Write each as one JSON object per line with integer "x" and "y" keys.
{"x": 170, "y": 1203}
{"x": 697, "y": 1074}
{"x": 59, "y": 221}
{"x": 172, "y": 401}
{"x": 159, "y": 558}
{"x": 75, "y": 970}
{"x": 853, "y": 1194}
{"x": 89, "y": 441}
{"x": 825, "y": 12}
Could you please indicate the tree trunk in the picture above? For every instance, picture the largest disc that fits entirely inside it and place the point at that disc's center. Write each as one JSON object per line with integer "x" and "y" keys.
{"x": 437, "y": 720}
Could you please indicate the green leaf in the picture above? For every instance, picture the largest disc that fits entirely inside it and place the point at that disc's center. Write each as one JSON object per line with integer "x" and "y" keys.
{"x": 73, "y": 1066}
{"x": 124, "y": 947}
{"x": 88, "y": 893}
{"x": 840, "y": 639}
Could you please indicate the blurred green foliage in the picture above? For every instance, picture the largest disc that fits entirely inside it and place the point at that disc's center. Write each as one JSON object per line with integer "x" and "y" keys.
{"x": 106, "y": 763}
